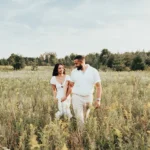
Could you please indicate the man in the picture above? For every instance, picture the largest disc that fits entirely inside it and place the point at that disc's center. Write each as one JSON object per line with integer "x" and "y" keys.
{"x": 83, "y": 79}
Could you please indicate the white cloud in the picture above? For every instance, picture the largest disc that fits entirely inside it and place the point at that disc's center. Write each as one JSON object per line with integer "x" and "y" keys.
{"x": 32, "y": 27}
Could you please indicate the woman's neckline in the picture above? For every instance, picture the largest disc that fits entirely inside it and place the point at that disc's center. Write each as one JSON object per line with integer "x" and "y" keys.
{"x": 63, "y": 80}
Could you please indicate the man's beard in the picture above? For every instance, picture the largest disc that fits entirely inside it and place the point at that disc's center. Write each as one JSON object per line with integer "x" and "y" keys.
{"x": 79, "y": 67}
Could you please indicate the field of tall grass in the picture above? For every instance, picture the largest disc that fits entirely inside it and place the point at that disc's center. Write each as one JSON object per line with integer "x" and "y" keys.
{"x": 27, "y": 114}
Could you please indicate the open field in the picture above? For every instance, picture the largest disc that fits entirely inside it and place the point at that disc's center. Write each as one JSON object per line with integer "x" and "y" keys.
{"x": 27, "y": 113}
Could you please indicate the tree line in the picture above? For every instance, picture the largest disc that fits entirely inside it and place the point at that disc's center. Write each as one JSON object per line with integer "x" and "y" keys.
{"x": 105, "y": 60}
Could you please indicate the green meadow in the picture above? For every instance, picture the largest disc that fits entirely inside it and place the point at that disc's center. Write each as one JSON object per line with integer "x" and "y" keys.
{"x": 27, "y": 113}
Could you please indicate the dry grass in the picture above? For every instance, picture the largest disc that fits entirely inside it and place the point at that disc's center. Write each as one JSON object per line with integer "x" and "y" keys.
{"x": 27, "y": 113}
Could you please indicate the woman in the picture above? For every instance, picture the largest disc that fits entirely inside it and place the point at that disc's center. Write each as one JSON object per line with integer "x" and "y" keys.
{"x": 59, "y": 82}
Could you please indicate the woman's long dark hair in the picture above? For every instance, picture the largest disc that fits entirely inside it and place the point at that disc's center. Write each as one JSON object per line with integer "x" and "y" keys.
{"x": 55, "y": 70}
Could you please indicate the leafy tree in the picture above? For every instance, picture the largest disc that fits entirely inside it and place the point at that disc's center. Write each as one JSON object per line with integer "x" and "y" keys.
{"x": 118, "y": 64}
{"x": 72, "y": 56}
{"x": 50, "y": 58}
{"x": 16, "y": 61}
{"x": 11, "y": 59}
{"x": 61, "y": 60}
{"x": 3, "y": 61}
{"x": 34, "y": 65}
{"x": 104, "y": 56}
{"x": 147, "y": 61}
{"x": 41, "y": 61}
{"x": 138, "y": 60}
{"x": 110, "y": 61}
{"x": 128, "y": 58}
{"x": 67, "y": 61}
{"x": 138, "y": 63}
{"x": 53, "y": 59}
{"x": 93, "y": 60}
{"x": 29, "y": 60}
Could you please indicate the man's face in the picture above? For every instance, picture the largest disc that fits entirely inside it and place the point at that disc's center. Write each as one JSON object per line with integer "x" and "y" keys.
{"x": 78, "y": 64}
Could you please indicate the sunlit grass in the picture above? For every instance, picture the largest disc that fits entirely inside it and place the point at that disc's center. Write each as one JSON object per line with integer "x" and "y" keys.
{"x": 27, "y": 113}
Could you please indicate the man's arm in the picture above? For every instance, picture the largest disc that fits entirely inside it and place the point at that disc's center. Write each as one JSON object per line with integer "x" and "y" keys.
{"x": 65, "y": 91}
{"x": 98, "y": 94}
{"x": 68, "y": 90}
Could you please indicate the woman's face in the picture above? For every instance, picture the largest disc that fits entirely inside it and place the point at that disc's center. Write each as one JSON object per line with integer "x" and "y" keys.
{"x": 60, "y": 69}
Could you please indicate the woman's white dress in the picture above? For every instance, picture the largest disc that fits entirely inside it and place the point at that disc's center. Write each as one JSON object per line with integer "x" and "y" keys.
{"x": 63, "y": 107}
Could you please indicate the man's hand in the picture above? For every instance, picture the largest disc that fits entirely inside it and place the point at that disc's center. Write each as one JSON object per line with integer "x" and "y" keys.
{"x": 97, "y": 104}
{"x": 63, "y": 99}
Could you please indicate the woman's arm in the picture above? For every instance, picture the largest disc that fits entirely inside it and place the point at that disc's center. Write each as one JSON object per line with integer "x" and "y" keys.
{"x": 54, "y": 90}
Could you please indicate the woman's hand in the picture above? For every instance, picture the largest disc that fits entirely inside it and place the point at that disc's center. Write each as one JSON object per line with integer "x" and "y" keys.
{"x": 63, "y": 99}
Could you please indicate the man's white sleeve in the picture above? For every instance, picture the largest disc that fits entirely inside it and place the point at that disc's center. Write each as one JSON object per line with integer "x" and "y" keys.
{"x": 68, "y": 78}
{"x": 96, "y": 77}
{"x": 72, "y": 76}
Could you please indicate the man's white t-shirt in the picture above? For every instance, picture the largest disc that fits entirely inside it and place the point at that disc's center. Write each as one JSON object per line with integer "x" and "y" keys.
{"x": 84, "y": 81}
{"x": 60, "y": 87}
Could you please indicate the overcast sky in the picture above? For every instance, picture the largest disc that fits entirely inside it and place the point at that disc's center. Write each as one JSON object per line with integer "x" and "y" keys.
{"x": 32, "y": 27}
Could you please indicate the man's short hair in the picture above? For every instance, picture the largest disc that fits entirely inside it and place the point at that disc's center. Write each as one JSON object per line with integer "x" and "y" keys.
{"x": 79, "y": 57}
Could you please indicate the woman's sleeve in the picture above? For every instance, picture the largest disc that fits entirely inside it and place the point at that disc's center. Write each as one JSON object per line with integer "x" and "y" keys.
{"x": 52, "y": 81}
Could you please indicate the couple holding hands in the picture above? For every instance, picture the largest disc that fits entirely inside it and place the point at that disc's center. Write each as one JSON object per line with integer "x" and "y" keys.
{"x": 80, "y": 84}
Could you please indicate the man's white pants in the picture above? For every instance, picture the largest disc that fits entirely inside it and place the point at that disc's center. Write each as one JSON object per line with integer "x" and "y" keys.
{"x": 63, "y": 108}
{"x": 81, "y": 106}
